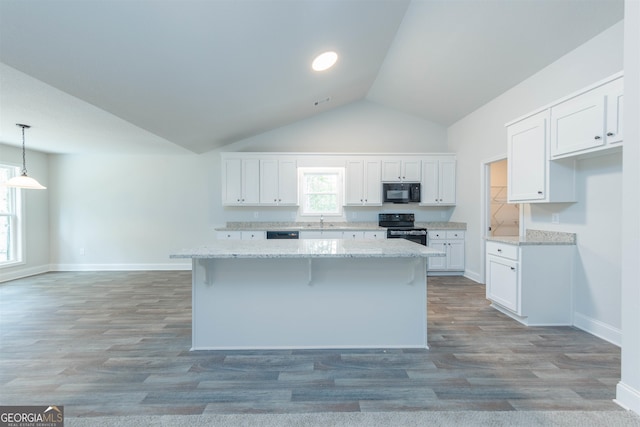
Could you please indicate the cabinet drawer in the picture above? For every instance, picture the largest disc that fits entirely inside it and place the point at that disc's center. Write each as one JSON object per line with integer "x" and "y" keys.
{"x": 437, "y": 234}
{"x": 455, "y": 234}
{"x": 502, "y": 250}
{"x": 229, "y": 235}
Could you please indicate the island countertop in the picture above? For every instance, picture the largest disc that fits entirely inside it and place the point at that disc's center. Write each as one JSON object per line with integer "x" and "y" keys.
{"x": 311, "y": 248}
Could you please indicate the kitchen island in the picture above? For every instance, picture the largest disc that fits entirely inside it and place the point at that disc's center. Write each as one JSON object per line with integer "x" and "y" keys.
{"x": 282, "y": 294}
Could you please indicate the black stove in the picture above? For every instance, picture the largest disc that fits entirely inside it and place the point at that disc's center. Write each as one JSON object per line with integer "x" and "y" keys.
{"x": 402, "y": 226}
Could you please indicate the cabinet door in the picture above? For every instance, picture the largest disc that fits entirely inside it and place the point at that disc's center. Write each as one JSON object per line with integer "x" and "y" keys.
{"x": 430, "y": 182}
{"x": 455, "y": 255}
{"x": 268, "y": 182}
{"x": 232, "y": 178}
{"x": 502, "y": 282}
{"x": 615, "y": 109}
{"x": 578, "y": 123}
{"x": 287, "y": 182}
{"x": 229, "y": 235}
{"x": 372, "y": 185}
{"x": 447, "y": 182}
{"x": 253, "y": 235}
{"x": 354, "y": 182}
{"x": 438, "y": 262}
{"x": 527, "y": 166}
{"x": 353, "y": 235}
{"x": 391, "y": 170}
{"x": 376, "y": 235}
{"x": 251, "y": 181}
{"x": 411, "y": 170}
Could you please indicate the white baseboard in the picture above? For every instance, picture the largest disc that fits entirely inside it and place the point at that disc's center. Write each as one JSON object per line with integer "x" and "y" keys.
{"x": 627, "y": 397}
{"x": 473, "y": 275}
{"x": 19, "y": 273}
{"x": 598, "y": 328}
{"x": 120, "y": 267}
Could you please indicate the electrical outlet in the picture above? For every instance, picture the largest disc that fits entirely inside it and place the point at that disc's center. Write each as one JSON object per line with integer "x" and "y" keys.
{"x": 555, "y": 218}
{"x": 256, "y": 214}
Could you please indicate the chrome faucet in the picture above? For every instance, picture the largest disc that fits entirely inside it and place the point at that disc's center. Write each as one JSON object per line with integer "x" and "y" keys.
{"x": 321, "y": 221}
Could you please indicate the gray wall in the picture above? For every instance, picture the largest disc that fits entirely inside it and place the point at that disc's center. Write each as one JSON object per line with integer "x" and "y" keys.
{"x": 481, "y": 136}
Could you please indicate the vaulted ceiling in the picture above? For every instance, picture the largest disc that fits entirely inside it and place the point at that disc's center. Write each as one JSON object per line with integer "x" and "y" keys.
{"x": 195, "y": 75}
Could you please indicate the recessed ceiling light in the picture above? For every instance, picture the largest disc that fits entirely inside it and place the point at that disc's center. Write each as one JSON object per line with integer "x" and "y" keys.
{"x": 324, "y": 61}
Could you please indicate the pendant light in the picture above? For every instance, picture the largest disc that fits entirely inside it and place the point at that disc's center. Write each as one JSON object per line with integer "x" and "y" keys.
{"x": 23, "y": 181}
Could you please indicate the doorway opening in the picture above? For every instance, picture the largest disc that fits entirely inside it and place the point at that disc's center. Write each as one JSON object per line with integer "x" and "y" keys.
{"x": 504, "y": 218}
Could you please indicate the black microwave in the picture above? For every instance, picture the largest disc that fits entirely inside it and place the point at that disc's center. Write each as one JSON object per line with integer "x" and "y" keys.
{"x": 401, "y": 192}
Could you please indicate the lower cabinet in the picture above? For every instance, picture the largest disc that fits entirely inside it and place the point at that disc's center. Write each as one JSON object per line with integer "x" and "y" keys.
{"x": 450, "y": 242}
{"x": 335, "y": 234}
{"x": 530, "y": 283}
{"x": 241, "y": 235}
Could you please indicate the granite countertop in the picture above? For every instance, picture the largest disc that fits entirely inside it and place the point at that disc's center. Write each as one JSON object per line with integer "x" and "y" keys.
{"x": 312, "y": 248}
{"x": 342, "y": 226}
{"x": 537, "y": 237}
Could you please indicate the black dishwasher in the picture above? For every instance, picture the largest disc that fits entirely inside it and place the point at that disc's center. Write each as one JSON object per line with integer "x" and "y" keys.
{"x": 283, "y": 234}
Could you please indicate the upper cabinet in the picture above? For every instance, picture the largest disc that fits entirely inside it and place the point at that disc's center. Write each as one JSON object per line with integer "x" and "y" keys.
{"x": 241, "y": 181}
{"x": 271, "y": 179}
{"x": 363, "y": 185}
{"x": 542, "y": 147}
{"x": 278, "y": 182}
{"x": 588, "y": 122}
{"x": 439, "y": 180}
{"x": 401, "y": 170}
{"x": 531, "y": 177}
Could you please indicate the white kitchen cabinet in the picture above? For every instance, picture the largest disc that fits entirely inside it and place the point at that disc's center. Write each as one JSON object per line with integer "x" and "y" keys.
{"x": 241, "y": 235}
{"x": 241, "y": 181}
{"x": 532, "y": 177}
{"x": 353, "y": 235}
{"x": 321, "y": 234}
{"x": 363, "y": 185}
{"x": 530, "y": 283}
{"x": 402, "y": 170}
{"x": 588, "y": 122}
{"x": 278, "y": 182}
{"x": 451, "y": 242}
{"x": 438, "y": 181}
{"x": 229, "y": 235}
{"x": 253, "y": 235}
{"x": 375, "y": 235}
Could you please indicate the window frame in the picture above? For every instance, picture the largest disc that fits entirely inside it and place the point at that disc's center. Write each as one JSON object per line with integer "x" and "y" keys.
{"x": 339, "y": 171}
{"x": 15, "y": 216}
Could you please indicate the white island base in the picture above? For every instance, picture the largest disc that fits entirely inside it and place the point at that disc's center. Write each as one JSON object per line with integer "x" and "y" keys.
{"x": 284, "y": 303}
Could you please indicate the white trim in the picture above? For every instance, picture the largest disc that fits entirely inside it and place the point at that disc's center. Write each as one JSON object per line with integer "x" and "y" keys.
{"x": 485, "y": 194}
{"x": 5, "y": 276}
{"x": 627, "y": 397}
{"x": 120, "y": 267}
{"x": 473, "y": 275}
{"x": 598, "y": 328}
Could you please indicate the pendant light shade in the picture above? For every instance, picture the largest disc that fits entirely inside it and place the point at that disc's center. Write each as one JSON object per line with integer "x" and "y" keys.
{"x": 24, "y": 181}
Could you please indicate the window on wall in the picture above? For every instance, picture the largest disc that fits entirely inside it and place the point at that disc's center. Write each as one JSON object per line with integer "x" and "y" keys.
{"x": 9, "y": 219}
{"x": 321, "y": 191}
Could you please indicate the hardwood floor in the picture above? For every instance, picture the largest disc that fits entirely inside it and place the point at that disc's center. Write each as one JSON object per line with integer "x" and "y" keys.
{"x": 117, "y": 343}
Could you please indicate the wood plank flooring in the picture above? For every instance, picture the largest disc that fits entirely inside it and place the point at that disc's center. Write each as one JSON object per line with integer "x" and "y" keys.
{"x": 117, "y": 343}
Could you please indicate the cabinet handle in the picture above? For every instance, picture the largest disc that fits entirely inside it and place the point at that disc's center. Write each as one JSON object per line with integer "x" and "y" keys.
{"x": 500, "y": 250}
{"x": 610, "y": 133}
{"x": 597, "y": 137}
{"x": 513, "y": 269}
{"x": 540, "y": 192}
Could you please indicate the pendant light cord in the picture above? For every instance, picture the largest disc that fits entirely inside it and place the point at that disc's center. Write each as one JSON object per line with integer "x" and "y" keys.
{"x": 24, "y": 157}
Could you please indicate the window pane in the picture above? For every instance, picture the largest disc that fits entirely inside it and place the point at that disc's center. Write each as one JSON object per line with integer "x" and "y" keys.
{"x": 322, "y": 203}
{"x": 5, "y": 239}
{"x": 321, "y": 183}
{"x": 5, "y": 193}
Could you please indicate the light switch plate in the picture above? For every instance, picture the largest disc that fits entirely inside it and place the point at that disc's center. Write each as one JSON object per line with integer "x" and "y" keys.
{"x": 555, "y": 218}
